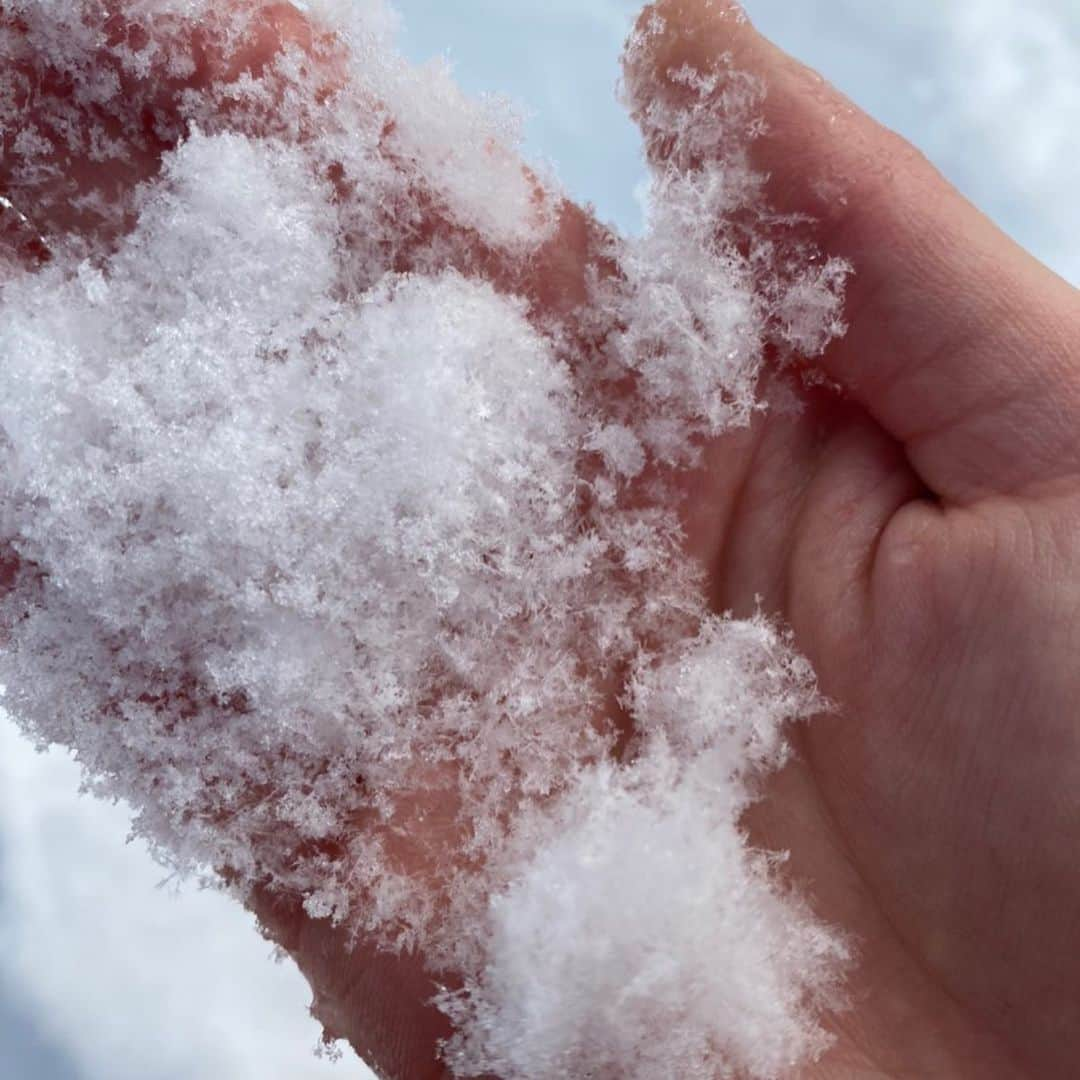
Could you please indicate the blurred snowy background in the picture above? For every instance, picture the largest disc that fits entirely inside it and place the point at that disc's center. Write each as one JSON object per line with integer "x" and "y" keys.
{"x": 109, "y": 973}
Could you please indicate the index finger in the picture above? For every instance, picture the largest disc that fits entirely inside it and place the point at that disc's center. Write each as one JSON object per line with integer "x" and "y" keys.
{"x": 960, "y": 345}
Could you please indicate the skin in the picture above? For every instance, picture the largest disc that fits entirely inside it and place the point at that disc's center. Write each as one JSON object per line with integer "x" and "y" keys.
{"x": 918, "y": 527}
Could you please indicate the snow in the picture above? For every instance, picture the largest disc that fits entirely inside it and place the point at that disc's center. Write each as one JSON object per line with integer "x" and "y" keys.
{"x": 316, "y": 515}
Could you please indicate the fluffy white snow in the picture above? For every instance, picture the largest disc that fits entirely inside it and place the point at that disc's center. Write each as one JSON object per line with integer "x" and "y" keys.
{"x": 313, "y": 512}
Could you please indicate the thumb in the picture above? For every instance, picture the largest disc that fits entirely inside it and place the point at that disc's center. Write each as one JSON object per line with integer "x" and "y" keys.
{"x": 961, "y": 346}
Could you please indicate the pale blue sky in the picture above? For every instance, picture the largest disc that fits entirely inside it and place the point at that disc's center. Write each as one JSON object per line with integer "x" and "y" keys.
{"x": 992, "y": 98}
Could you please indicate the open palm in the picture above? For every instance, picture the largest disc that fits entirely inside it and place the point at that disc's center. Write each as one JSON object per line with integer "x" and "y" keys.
{"x": 918, "y": 532}
{"x": 914, "y": 522}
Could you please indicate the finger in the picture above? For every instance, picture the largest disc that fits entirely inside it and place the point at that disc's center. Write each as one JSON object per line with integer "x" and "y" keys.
{"x": 70, "y": 159}
{"x": 82, "y": 126}
{"x": 961, "y": 345}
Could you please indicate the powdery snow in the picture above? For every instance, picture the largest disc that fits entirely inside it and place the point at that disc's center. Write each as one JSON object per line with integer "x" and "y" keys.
{"x": 320, "y": 522}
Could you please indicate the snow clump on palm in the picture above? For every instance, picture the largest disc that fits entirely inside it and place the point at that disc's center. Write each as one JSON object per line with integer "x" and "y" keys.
{"x": 323, "y": 510}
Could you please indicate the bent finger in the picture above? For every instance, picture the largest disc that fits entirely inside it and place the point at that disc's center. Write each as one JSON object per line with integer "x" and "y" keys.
{"x": 93, "y": 98}
{"x": 961, "y": 345}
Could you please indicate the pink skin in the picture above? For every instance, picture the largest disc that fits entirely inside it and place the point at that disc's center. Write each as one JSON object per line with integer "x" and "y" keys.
{"x": 920, "y": 532}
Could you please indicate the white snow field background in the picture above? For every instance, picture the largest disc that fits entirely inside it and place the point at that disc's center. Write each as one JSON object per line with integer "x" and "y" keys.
{"x": 106, "y": 972}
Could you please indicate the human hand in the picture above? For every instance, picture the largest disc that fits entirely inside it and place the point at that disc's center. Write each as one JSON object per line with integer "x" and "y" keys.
{"x": 916, "y": 526}
{"x": 918, "y": 532}
{"x": 914, "y": 531}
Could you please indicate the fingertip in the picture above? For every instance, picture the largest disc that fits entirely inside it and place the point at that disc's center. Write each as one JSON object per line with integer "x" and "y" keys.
{"x": 269, "y": 30}
{"x": 672, "y": 36}
{"x": 71, "y": 159}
